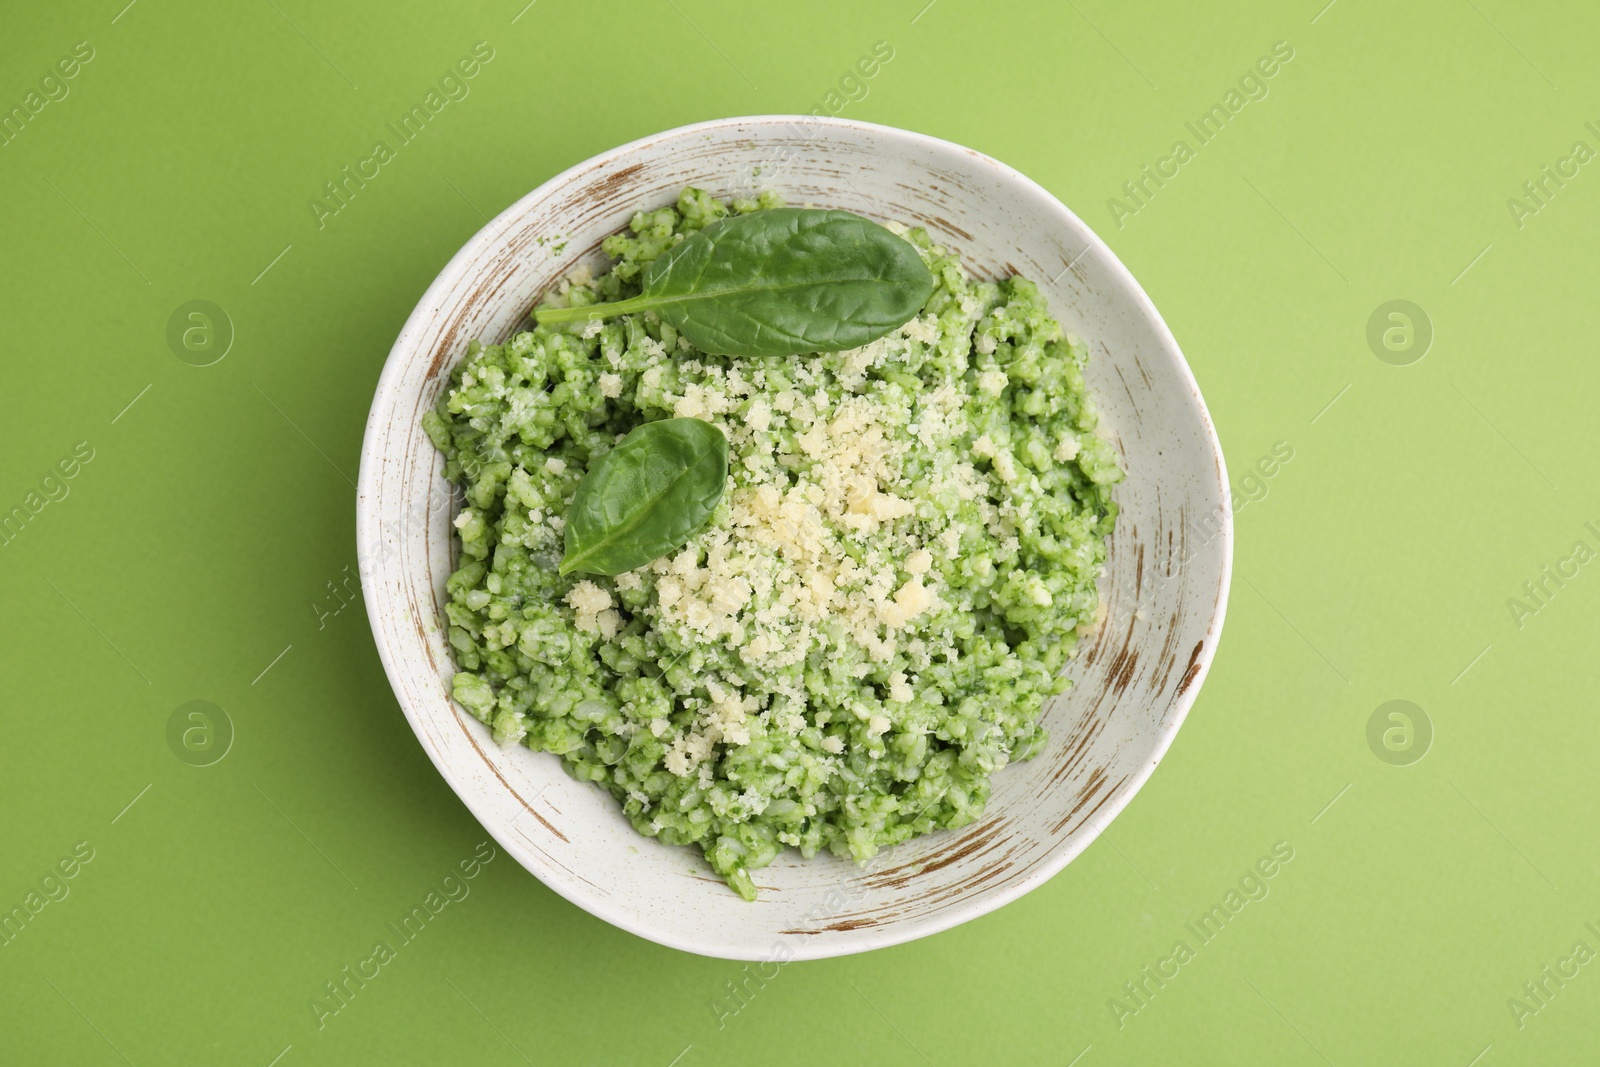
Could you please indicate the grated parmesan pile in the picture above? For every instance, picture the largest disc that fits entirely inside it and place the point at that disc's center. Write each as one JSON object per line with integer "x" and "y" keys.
{"x": 903, "y": 559}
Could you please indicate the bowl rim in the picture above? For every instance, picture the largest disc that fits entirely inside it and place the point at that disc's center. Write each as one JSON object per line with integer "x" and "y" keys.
{"x": 368, "y": 523}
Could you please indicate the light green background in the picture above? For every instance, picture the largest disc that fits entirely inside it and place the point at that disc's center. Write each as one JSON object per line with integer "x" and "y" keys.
{"x": 201, "y": 539}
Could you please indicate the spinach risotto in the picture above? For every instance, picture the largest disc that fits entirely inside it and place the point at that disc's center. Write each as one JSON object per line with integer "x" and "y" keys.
{"x": 901, "y": 555}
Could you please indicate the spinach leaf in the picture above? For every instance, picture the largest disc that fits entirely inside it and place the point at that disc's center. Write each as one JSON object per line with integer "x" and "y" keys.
{"x": 776, "y": 283}
{"x": 646, "y": 497}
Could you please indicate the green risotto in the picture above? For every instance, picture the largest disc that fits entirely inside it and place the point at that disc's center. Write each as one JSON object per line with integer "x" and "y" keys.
{"x": 903, "y": 558}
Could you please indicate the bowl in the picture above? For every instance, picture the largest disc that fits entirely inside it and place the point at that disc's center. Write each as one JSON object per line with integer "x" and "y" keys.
{"x": 1165, "y": 585}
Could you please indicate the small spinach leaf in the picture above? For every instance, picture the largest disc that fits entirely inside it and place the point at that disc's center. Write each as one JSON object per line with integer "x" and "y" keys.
{"x": 776, "y": 283}
{"x": 646, "y": 497}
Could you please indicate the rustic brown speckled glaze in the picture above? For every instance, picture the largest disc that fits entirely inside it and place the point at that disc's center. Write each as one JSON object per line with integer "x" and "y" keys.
{"x": 1165, "y": 587}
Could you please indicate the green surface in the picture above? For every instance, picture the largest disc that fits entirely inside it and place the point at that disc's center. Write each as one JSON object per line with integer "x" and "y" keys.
{"x": 206, "y": 551}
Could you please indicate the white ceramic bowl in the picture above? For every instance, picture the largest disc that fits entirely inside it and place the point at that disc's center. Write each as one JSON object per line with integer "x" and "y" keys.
{"x": 1165, "y": 586}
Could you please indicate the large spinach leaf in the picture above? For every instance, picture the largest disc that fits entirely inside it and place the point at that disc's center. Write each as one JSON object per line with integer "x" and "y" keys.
{"x": 778, "y": 282}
